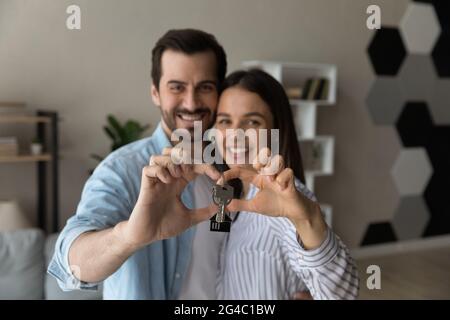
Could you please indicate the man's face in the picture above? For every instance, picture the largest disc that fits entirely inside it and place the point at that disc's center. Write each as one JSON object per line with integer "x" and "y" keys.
{"x": 187, "y": 90}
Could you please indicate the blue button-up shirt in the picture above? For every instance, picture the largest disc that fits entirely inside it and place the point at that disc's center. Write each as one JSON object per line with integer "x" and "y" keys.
{"x": 155, "y": 271}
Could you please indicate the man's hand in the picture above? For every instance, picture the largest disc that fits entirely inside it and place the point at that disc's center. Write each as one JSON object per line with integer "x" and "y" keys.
{"x": 159, "y": 212}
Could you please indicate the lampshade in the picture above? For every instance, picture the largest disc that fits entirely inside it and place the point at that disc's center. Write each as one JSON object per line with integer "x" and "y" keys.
{"x": 12, "y": 217}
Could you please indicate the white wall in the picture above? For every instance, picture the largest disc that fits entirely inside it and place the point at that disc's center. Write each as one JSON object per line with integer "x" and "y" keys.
{"x": 104, "y": 68}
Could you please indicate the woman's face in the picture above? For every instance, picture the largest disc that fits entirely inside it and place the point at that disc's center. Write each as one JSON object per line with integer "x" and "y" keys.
{"x": 241, "y": 109}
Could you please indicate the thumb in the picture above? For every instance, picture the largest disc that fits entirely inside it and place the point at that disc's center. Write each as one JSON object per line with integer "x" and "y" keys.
{"x": 199, "y": 215}
{"x": 240, "y": 205}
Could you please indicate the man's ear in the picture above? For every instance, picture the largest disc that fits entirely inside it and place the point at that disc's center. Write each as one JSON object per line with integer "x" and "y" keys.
{"x": 155, "y": 96}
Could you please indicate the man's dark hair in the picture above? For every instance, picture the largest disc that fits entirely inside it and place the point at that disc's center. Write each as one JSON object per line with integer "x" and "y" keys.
{"x": 188, "y": 41}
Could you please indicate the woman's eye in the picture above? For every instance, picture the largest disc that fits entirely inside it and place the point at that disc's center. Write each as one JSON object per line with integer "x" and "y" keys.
{"x": 253, "y": 123}
{"x": 223, "y": 121}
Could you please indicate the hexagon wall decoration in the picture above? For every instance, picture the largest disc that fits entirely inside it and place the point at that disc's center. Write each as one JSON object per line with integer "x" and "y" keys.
{"x": 415, "y": 98}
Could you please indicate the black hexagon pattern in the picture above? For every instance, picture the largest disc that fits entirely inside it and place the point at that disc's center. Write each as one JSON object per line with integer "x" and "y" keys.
{"x": 415, "y": 125}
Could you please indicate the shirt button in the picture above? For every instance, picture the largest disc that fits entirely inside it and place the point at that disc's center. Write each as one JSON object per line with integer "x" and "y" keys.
{"x": 177, "y": 275}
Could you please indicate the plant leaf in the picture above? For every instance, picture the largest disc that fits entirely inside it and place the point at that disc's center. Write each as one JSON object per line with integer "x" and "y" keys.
{"x": 110, "y": 133}
{"x": 116, "y": 126}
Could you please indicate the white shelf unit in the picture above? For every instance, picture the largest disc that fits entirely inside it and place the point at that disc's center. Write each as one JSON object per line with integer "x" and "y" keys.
{"x": 317, "y": 151}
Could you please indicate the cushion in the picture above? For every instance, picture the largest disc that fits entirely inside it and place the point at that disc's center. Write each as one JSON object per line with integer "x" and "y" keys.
{"x": 22, "y": 264}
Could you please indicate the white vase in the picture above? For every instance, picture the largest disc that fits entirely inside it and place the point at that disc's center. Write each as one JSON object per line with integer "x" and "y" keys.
{"x": 36, "y": 149}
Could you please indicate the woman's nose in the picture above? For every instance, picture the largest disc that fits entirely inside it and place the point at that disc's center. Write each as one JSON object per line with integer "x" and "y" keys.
{"x": 235, "y": 134}
{"x": 235, "y": 126}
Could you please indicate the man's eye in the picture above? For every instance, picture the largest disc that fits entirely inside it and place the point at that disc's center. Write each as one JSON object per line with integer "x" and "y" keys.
{"x": 207, "y": 88}
{"x": 176, "y": 88}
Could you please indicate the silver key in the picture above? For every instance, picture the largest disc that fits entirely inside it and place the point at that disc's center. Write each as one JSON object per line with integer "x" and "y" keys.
{"x": 222, "y": 196}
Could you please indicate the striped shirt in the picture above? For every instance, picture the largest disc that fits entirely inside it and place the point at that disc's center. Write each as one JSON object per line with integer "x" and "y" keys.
{"x": 261, "y": 258}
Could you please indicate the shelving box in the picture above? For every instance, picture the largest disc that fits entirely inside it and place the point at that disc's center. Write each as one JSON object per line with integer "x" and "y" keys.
{"x": 305, "y": 119}
{"x": 293, "y": 75}
{"x": 47, "y": 163}
{"x": 9, "y": 146}
{"x": 318, "y": 157}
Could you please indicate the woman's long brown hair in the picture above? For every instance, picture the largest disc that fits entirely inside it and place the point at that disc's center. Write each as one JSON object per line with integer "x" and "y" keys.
{"x": 273, "y": 94}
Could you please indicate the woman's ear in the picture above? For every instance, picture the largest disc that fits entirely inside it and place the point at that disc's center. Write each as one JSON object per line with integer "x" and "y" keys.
{"x": 155, "y": 96}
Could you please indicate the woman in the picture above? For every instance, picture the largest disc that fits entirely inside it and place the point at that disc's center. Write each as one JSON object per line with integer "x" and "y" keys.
{"x": 279, "y": 243}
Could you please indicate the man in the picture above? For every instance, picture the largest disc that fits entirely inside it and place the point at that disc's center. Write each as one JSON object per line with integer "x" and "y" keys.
{"x": 133, "y": 232}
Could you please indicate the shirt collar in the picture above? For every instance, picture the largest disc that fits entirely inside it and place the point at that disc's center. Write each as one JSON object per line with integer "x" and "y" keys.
{"x": 161, "y": 139}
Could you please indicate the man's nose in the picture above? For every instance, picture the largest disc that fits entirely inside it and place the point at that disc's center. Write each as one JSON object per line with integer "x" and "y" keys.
{"x": 191, "y": 100}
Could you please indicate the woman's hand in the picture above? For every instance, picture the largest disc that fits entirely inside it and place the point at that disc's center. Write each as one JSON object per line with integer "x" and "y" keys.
{"x": 278, "y": 197}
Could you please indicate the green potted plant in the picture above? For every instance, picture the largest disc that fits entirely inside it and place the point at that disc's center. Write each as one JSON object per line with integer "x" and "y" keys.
{"x": 121, "y": 134}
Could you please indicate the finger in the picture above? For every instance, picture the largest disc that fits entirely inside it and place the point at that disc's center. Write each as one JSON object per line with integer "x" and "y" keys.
{"x": 190, "y": 171}
{"x": 221, "y": 180}
{"x": 285, "y": 178}
{"x": 274, "y": 166}
{"x": 178, "y": 155}
{"x": 147, "y": 181}
{"x": 209, "y": 170}
{"x": 187, "y": 172}
{"x": 261, "y": 159}
{"x": 166, "y": 162}
{"x": 238, "y": 173}
{"x": 167, "y": 151}
{"x": 160, "y": 173}
{"x": 303, "y": 296}
{"x": 199, "y": 215}
{"x": 240, "y": 205}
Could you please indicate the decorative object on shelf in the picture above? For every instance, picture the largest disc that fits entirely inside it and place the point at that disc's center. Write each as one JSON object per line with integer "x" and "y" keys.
{"x": 315, "y": 89}
{"x": 36, "y": 147}
{"x": 317, "y": 156}
{"x": 9, "y": 146}
{"x": 12, "y": 216}
{"x": 121, "y": 134}
{"x": 314, "y": 153}
{"x": 294, "y": 92}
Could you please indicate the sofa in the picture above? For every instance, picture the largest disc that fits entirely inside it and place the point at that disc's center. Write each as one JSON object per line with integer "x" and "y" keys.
{"x": 24, "y": 257}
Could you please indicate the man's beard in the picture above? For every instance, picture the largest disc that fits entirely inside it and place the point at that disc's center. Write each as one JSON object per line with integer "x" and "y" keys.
{"x": 170, "y": 118}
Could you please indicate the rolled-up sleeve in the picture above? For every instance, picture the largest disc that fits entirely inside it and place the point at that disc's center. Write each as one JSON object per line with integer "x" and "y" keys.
{"x": 106, "y": 200}
{"x": 328, "y": 271}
